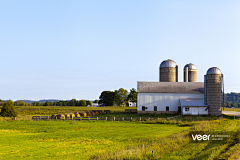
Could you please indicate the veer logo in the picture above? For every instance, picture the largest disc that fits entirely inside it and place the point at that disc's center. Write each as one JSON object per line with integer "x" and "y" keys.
{"x": 200, "y": 137}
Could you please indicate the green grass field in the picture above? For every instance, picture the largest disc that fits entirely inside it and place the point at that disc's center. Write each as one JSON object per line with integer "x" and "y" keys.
{"x": 232, "y": 109}
{"x": 115, "y": 140}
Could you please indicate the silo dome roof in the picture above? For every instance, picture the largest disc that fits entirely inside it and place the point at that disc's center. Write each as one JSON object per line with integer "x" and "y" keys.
{"x": 214, "y": 70}
{"x": 190, "y": 66}
{"x": 168, "y": 64}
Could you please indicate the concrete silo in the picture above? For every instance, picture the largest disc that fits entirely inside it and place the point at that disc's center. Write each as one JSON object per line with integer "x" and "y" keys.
{"x": 168, "y": 71}
{"x": 190, "y": 73}
{"x": 213, "y": 93}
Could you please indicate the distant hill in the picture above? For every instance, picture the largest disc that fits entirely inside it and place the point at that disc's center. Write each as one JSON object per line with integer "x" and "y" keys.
{"x": 45, "y": 100}
{"x": 42, "y": 101}
{"x": 232, "y": 99}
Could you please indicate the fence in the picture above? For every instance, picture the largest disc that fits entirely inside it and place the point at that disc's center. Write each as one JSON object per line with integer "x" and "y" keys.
{"x": 38, "y": 118}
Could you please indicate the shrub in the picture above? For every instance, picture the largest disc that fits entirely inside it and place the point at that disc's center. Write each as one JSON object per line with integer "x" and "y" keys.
{"x": 8, "y": 109}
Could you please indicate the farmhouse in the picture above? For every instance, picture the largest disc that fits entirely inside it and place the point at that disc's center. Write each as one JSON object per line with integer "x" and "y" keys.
{"x": 188, "y": 97}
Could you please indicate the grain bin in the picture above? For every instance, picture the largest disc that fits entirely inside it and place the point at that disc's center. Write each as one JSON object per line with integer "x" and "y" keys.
{"x": 190, "y": 73}
{"x": 168, "y": 71}
{"x": 214, "y": 90}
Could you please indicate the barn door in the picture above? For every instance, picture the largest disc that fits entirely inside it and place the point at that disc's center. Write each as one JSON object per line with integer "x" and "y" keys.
{"x": 194, "y": 110}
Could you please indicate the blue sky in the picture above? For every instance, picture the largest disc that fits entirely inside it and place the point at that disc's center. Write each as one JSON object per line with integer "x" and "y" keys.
{"x": 77, "y": 49}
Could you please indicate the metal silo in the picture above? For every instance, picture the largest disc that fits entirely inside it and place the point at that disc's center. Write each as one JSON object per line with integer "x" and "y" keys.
{"x": 190, "y": 73}
{"x": 168, "y": 71}
{"x": 214, "y": 90}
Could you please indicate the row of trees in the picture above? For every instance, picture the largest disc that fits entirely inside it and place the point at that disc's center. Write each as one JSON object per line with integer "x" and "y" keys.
{"x": 72, "y": 102}
{"x": 118, "y": 97}
{"x": 232, "y": 99}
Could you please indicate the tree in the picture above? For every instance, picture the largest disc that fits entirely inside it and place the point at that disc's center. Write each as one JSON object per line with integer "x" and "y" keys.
{"x": 132, "y": 97}
{"x": 121, "y": 96}
{"x": 1, "y": 102}
{"x": 82, "y": 103}
{"x": 73, "y": 102}
{"x": 48, "y": 103}
{"x": 107, "y": 98}
{"x": 19, "y": 103}
{"x": 8, "y": 109}
{"x": 95, "y": 101}
{"x": 88, "y": 103}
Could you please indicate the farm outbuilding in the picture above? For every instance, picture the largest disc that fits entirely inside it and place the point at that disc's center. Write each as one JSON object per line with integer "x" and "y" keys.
{"x": 188, "y": 97}
{"x": 193, "y": 106}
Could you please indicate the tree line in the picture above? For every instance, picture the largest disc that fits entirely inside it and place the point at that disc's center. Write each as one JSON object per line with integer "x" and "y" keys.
{"x": 118, "y": 97}
{"x": 72, "y": 102}
{"x": 232, "y": 99}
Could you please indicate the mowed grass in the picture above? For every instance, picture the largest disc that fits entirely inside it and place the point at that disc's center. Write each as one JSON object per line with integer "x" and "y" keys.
{"x": 116, "y": 140}
{"x": 79, "y": 140}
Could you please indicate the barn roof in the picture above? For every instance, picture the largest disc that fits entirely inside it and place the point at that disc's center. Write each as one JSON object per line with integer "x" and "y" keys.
{"x": 192, "y": 102}
{"x": 170, "y": 87}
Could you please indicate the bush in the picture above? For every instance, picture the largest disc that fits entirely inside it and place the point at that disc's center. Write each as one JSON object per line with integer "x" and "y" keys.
{"x": 8, "y": 109}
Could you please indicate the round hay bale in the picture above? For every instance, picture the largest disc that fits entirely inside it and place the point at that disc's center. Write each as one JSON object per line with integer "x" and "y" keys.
{"x": 60, "y": 116}
{"x": 67, "y": 115}
{"x": 81, "y": 113}
{"x": 89, "y": 113}
{"x": 94, "y": 113}
{"x": 53, "y": 116}
{"x": 77, "y": 115}
{"x": 72, "y": 115}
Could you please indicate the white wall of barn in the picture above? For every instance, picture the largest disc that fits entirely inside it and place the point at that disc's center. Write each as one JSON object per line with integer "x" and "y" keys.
{"x": 161, "y": 100}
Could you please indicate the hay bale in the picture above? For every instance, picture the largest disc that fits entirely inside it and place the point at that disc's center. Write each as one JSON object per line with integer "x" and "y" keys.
{"x": 81, "y": 113}
{"x": 72, "y": 115}
{"x": 53, "y": 116}
{"x": 77, "y": 115}
{"x": 88, "y": 113}
{"x": 106, "y": 111}
{"x": 67, "y": 115}
{"x": 100, "y": 111}
{"x": 60, "y": 116}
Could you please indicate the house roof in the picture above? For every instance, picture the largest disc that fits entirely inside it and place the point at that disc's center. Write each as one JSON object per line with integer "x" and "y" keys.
{"x": 170, "y": 87}
{"x": 192, "y": 102}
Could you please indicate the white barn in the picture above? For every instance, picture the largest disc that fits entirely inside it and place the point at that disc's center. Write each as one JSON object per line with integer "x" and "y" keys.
{"x": 171, "y": 97}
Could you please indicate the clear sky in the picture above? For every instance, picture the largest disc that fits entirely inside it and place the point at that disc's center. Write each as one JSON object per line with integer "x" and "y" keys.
{"x": 77, "y": 49}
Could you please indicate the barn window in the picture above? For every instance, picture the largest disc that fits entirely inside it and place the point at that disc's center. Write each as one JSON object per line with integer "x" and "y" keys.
{"x": 143, "y": 108}
{"x": 186, "y": 109}
{"x": 167, "y": 108}
{"x": 155, "y": 108}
